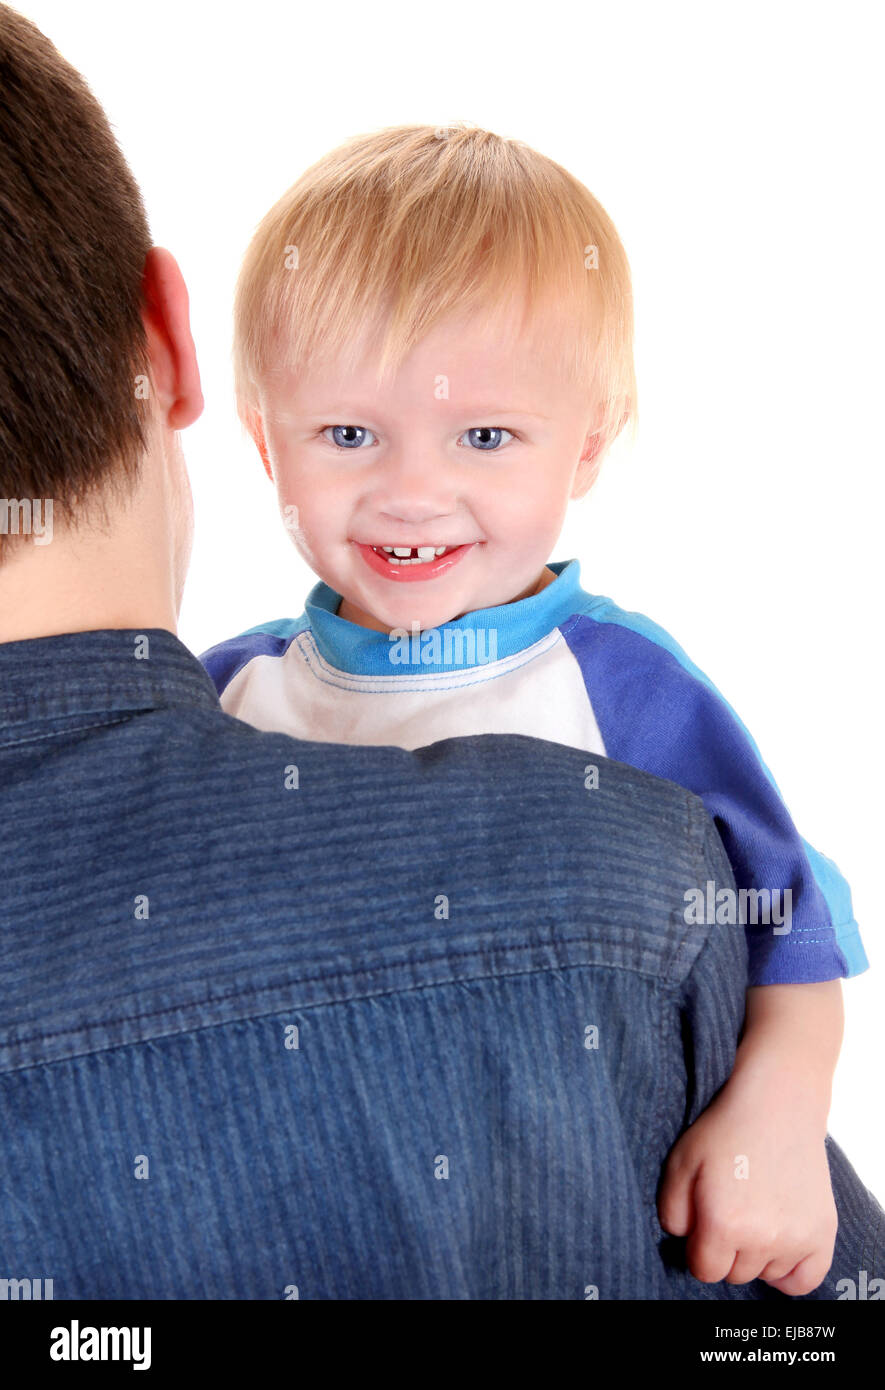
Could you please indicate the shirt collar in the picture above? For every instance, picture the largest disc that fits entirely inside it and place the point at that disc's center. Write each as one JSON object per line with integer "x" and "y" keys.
{"x": 101, "y": 672}
{"x": 486, "y": 634}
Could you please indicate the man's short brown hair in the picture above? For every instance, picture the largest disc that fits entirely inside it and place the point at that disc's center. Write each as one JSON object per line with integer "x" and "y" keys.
{"x": 73, "y": 240}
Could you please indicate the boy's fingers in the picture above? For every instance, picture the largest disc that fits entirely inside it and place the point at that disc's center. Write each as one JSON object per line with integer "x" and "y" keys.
{"x": 778, "y": 1269}
{"x": 804, "y": 1277}
{"x": 676, "y": 1201}
{"x": 709, "y": 1256}
{"x": 749, "y": 1264}
{"x": 711, "y": 1250}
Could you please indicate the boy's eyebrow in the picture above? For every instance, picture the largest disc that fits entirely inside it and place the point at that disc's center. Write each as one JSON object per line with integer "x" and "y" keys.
{"x": 505, "y": 410}
{"x": 462, "y": 410}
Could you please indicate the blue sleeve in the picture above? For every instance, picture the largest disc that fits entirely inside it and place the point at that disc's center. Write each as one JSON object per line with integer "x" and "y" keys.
{"x": 658, "y": 712}
{"x": 226, "y": 659}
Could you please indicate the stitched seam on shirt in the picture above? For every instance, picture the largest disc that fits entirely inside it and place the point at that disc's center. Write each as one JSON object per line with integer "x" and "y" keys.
{"x": 662, "y": 1090}
{"x": 63, "y": 733}
{"x": 550, "y": 637}
{"x": 335, "y": 975}
{"x": 688, "y": 836}
{"x": 571, "y": 623}
{"x": 872, "y": 1234}
{"x": 786, "y": 938}
{"x": 370, "y": 993}
{"x": 353, "y": 684}
{"x": 819, "y": 926}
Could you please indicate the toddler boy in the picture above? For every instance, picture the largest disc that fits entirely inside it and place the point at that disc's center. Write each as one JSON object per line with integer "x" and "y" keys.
{"x": 433, "y": 354}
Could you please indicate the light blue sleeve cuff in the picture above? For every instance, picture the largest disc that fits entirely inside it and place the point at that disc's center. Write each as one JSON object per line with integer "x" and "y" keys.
{"x": 837, "y": 895}
{"x": 849, "y": 943}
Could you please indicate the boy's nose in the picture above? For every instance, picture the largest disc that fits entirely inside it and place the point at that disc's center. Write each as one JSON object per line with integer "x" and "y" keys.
{"x": 402, "y": 514}
{"x": 413, "y": 493}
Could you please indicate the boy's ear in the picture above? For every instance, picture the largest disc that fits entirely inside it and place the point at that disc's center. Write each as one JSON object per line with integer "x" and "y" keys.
{"x": 589, "y": 464}
{"x": 597, "y": 443}
{"x": 255, "y": 425}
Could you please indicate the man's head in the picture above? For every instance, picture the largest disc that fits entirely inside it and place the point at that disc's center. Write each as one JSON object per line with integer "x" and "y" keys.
{"x": 96, "y": 363}
{"x": 463, "y": 305}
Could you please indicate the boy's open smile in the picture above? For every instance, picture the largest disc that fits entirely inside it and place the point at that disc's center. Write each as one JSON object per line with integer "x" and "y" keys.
{"x": 406, "y": 564}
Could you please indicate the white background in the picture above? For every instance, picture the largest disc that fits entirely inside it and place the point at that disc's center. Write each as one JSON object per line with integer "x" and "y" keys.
{"x": 738, "y": 149}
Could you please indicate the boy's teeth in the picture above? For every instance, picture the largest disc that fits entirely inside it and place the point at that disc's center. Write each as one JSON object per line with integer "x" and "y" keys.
{"x": 402, "y": 554}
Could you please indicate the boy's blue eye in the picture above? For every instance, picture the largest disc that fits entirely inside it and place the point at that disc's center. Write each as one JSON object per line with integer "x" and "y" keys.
{"x": 488, "y": 443}
{"x": 343, "y": 435}
{"x": 353, "y": 436}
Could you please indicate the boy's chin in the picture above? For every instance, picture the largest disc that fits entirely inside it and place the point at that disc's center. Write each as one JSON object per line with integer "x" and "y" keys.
{"x": 416, "y": 618}
{"x": 408, "y": 613}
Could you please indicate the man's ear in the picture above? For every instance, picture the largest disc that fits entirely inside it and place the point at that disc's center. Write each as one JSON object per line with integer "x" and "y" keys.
{"x": 251, "y": 418}
{"x": 175, "y": 375}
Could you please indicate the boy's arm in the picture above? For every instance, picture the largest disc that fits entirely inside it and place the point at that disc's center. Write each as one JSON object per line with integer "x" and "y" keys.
{"x": 790, "y": 1042}
{"x": 657, "y": 711}
{"x": 749, "y": 1183}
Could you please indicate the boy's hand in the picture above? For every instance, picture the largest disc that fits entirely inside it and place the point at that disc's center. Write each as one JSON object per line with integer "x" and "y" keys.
{"x": 749, "y": 1184}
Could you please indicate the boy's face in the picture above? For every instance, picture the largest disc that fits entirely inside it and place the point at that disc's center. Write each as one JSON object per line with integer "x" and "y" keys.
{"x": 477, "y": 445}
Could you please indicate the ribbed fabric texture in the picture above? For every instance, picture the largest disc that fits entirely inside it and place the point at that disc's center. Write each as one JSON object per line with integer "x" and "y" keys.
{"x": 441, "y": 927}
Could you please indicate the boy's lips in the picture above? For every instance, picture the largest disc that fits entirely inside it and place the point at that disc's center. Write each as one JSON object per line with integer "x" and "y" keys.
{"x": 408, "y": 574}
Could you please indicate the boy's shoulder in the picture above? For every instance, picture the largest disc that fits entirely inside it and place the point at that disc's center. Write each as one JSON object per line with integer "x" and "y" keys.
{"x": 226, "y": 659}
{"x": 628, "y": 630}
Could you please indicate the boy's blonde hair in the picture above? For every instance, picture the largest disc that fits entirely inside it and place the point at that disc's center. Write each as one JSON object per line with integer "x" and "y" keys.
{"x": 393, "y": 231}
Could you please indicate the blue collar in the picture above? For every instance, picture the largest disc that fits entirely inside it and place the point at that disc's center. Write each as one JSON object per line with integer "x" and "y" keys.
{"x": 487, "y": 634}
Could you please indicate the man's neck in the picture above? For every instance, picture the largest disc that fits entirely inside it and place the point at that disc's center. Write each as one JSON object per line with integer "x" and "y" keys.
{"x": 82, "y": 583}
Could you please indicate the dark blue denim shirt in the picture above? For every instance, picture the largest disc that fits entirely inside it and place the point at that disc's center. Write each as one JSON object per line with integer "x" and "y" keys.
{"x": 286, "y": 1019}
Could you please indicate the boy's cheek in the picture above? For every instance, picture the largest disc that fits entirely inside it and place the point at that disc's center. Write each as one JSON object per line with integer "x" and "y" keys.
{"x": 291, "y": 518}
{"x": 306, "y": 529}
